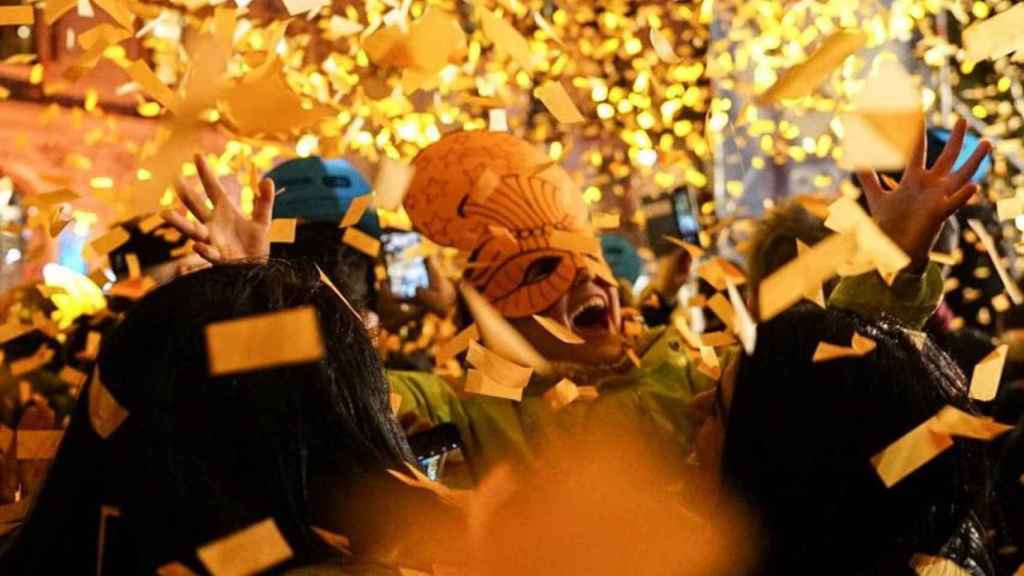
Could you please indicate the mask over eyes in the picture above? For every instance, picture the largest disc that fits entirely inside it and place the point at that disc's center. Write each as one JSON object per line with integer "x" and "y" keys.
{"x": 518, "y": 216}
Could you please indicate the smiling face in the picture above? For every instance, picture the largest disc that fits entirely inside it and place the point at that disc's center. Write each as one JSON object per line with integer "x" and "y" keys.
{"x": 590, "y": 308}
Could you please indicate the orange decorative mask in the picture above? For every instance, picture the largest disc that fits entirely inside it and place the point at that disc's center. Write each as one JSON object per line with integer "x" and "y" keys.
{"x": 515, "y": 212}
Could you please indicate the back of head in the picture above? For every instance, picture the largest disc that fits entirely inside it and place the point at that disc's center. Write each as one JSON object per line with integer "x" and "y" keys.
{"x": 320, "y": 244}
{"x": 318, "y": 192}
{"x": 801, "y": 435}
{"x": 774, "y": 241}
{"x": 199, "y": 457}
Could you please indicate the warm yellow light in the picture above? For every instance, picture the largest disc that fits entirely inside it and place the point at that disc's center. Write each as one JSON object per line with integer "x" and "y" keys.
{"x": 592, "y": 195}
{"x": 101, "y": 183}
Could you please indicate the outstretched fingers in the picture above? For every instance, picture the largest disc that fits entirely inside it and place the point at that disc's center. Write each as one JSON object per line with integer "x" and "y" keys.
{"x": 956, "y": 201}
{"x": 872, "y": 187}
{"x": 263, "y": 205}
{"x": 209, "y": 252}
{"x": 192, "y": 200}
{"x": 210, "y": 183}
{"x": 916, "y": 164}
{"x": 951, "y": 151}
{"x": 966, "y": 172}
{"x": 194, "y": 230}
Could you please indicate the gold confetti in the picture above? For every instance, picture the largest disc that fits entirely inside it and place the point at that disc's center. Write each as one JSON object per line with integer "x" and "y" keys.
{"x": 876, "y": 135}
{"x": 361, "y": 241}
{"x": 134, "y": 268}
{"x": 859, "y": 346}
{"x": 804, "y": 78}
{"x": 264, "y": 341}
{"x": 248, "y": 551}
{"x": 494, "y": 370}
{"x": 355, "y": 210}
{"x": 505, "y": 37}
{"x": 559, "y": 330}
{"x": 561, "y": 394}
{"x": 911, "y": 451}
{"x": 996, "y": 36}
{"x": 37, "y": 444}
{"x": 110, "y": 241}
{"x": 282, "y": 231}
{"x": 17, "y": 15}
{"x": 558, "y": 102}
{"x": 457, "y": 344}
{"x": 106, "y": 414}
{"x": 987, "y": 374}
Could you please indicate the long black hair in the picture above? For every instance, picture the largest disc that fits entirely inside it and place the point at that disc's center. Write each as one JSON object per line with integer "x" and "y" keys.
{"x": 200, "y": 457}
{"x": 800, "y": 436}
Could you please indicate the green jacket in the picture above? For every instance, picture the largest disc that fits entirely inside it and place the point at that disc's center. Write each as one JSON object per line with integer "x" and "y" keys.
{"x": 655, "y": 394}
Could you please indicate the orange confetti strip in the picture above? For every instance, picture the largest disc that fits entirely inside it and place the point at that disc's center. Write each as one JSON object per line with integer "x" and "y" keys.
{"x": 694, "y": 251}
{"x": 355, "y": 210}
{"x": 134, "y": 268}
{"x": 140, "y": 72}
{"x": 479, "y": 383}
{"x": 859, "y": 346}
{"x": 264, "y": 341}
{"x": 956, "y": 422}
{"x": 505, "y": 37}
{"x": 17, "y": 15}
{"x": 505, "y": 372}
{"x": 248, "y": 551}
{"x": 723, "y": 309}
{"x": 72, "y": 376}
{"x": 37, "y": 444}
{"x": 913, "y": 450}
{"x": 562, "y": 394}
{"x": 987, "y": 374}
{"x": 559, "y": 330}
{"x": 282, "y": 231}
{"x": 361, "y": 241}
{"x": 559, "y": 103}
{"x": 457, "y": 344}
{"x": 106, "y": 414}
{"x": 110, "y": 241}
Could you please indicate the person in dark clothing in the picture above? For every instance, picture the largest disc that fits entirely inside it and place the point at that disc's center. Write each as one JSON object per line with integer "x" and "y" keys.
{"x": 199, "y": 457}
{"x": 795, "y": 439}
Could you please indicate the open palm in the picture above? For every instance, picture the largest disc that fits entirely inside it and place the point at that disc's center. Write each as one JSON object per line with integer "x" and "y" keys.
{"x": 223, "y": 233}
{"x": 913, "y": 213}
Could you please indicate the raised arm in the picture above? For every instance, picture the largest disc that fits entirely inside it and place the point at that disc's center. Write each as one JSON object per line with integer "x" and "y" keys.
{"x": 223, "y": 233}
{"x": 914, "y": 212}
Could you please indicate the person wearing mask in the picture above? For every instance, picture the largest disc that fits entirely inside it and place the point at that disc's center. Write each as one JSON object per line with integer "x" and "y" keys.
{"x": 532, "y": 253}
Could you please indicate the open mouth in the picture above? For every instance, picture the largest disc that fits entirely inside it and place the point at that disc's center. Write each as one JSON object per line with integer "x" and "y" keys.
{"x": 591, "y": 316}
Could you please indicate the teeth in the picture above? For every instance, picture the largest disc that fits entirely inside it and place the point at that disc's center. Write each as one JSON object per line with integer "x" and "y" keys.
{"x": 592, "y": 302}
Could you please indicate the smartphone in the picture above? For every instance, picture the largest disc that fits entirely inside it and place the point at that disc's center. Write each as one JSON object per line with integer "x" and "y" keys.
{"x": 671, "y": 215}
{"x": 432, "y": 447}
{"x": 405, "y": 273}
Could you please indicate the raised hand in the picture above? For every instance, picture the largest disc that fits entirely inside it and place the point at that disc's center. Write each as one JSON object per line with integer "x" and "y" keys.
{"x": 913, "y": 214}
{"x": 440, "y": 295}
{"x": 223, "y": 233}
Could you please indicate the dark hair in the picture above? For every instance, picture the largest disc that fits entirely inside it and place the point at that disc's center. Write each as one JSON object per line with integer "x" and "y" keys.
{"x": 321, "y": 244}
{"x": 200, "y": 457}
{"x": 774, "y": 241}
{"x": 800, "y": 437}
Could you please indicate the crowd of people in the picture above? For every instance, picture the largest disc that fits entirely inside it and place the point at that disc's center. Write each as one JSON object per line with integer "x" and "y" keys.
{"x": 554, "y": 417}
